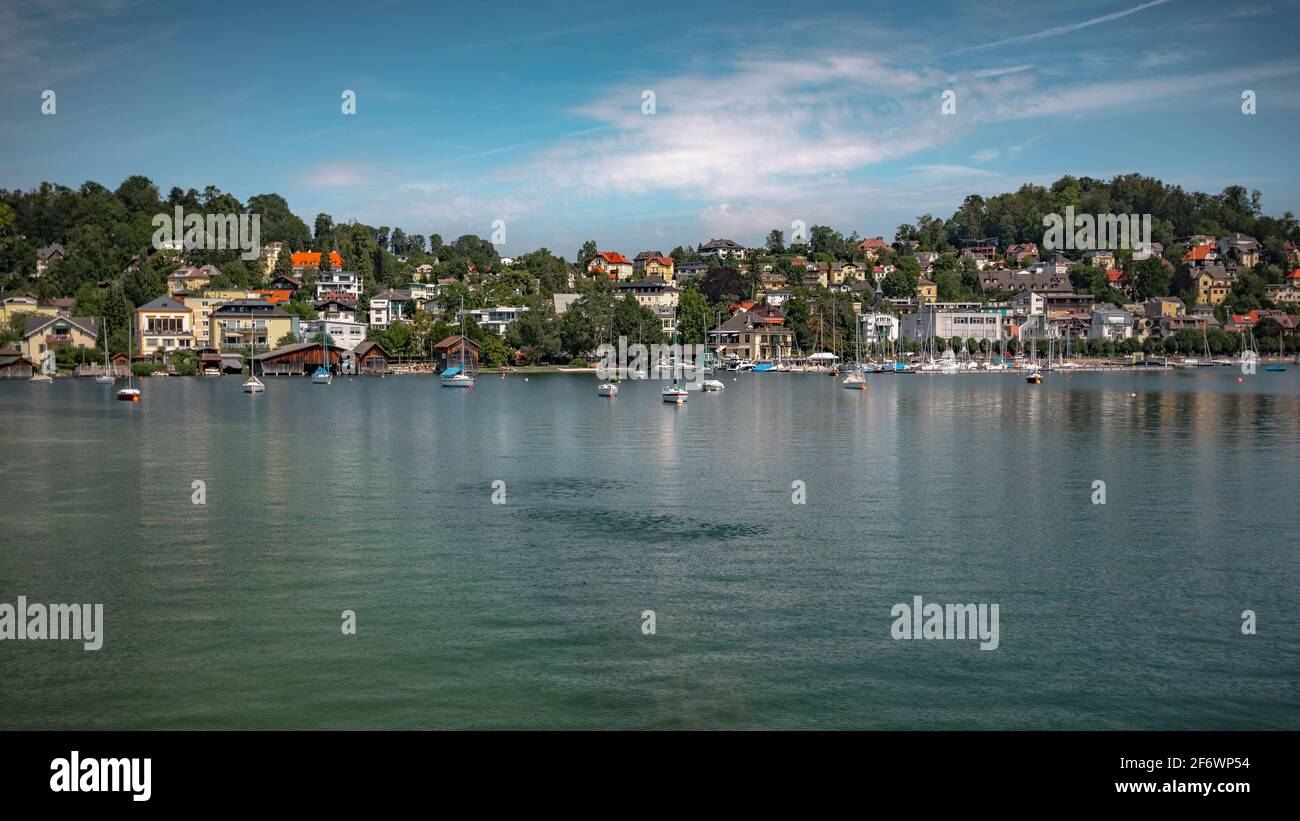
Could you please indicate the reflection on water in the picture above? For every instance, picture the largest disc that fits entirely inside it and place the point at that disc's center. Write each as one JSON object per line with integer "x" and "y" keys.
{"x": 375, "y": 495}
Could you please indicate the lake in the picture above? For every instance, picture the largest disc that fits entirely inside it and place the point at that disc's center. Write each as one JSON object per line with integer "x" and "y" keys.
{"x": 377, "y": 496}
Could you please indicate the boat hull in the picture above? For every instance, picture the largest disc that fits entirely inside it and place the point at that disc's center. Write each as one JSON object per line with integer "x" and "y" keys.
{"x": 128, "y": 395}
{"x": 457, "y": 382}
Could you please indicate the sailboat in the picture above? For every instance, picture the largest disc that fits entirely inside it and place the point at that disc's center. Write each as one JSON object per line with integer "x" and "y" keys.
{"x": 322, "y": 376}
{"x": 856, "y": 380}
{"x": 1035, "y": 377}
{"x": 676, "y": 392}
{"x": 253, "y": 385}
{"x": 1281, "y": 355}
{"x": 609, "y": 387}
{"x": 130, "y": 393}
{"x": 456, "y": 377}
{"x": 107, "y": 377}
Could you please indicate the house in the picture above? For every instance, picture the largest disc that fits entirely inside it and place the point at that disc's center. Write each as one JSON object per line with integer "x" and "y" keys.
{"x": 389, "y": 306}
{"x": 777, "y": 297}
{"x": 1244, "y": 249}
{"x": 164, "y": 324}
{"x": 12, "y": 306}
{"x": 268, "y": 256}
{"x": 371, "y": 359}
{"x": 982, "y": 254}
{"x": 496, "y": 320}
{"x": 653, "y": 264}
{"x": 686, "y": 270}
{"x": 1018, "y": 252}
{"x": 423, "y": 272}
{"x": 651, "y": 292}
{"x": 43, "y": 333}
{"x": 300, "y": 358}
{"x": 815, "y": 278}
{"x": 187, "y": 279}
{"x": 722, "y": 249}
{"x": 926, "y": 260}
{"x": 1027, "y": 280}
{"x": 344, "y": 334}
{"x": 449, "y": 352}
{"x": 611, "y": 264}
{"x": 1111, "y": 324}
{"x": 1117, "y": 279}
{"x": 338, "y": 283}
{"x": 284, "y": 282}
{"x": 201, "y": 307}
{"x": 1213, "y": 284}
{"x": 1290, "y": 254}
{"x": 1100, "y": 258}
{"x": 64, "y": 305}
{"x": 749, "y": 335}
{"x": 926, "y": 290}
{"x": 241, "y": 323}
{"x": 948, "y": 319}
{"x": 338, "y": 309}
{"x": 13, "y": 365}
{"x": 1163, "y": 306}
{"x": 1200, "y": 256}
{"x": 873, "y": 247}
{"x": 561, "y": 302}
{"x": 879, "y": 328}
{"x": 273, "y": 295}
{"x": 844, "y": 272}
{"x": 310, "y": 260}
{"x": 47, "y": 256}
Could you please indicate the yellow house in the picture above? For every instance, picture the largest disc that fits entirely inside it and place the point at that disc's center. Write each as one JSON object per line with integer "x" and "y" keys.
{"x": 163, "y": 325}
{"x": 187, "y": 279}
{"x": 43, "y": 333}
{"x": 1212, "y": 289}
{"x": 659, "y": 267}
{"x": 927, "y": 290}
{"x": 24, "y": 304}
{"x": 243, "y": 322}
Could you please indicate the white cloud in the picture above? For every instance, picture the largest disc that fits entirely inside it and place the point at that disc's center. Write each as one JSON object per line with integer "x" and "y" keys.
{"x": 1068, "y": 28}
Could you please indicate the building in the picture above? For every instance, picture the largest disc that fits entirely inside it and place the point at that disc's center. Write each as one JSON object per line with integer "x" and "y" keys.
{"x": 242, "y": 323}
{"x": 284, "y": 282}
{"x": 389, "y": 306}
{"x": 1163, "y": 306}
{"x": 187, "y": 280}
{"x": 752, "y": 336}
{"x": 310, "y": 260}
{"x": 164, "y": 324}
{"x": 1200, "y": 256}
{"x": 653, "y": 292}
{"x": 496, "y": 320}
{"x": 342, "y": 333}
{"x": 449, "y": 353}
{"x": 12, "y": 306}
{"x": 722, "y": 249}
{"x": 561, "y": 302}
{"x": 926, "y": 290}
{"x": 338, "y": 283}
{"x": 610, "y": 264}
{"x": 13, "y": 365}
{"x": 879, "y": 328}
{"x": 1026, "y": 280}
{"x": 653, "y": 264}
{"x": 1111, "y": 324}
{"x": 777, "y": 298}
{"x": 873, "y": 247}
{"x": 948, "y": 319}
{"x": 371, "y": 359}
{"x": 336, "y": 309}
{"x": 201, "y": 307}
{"x": 43, "y": 333}
{"x": 423, "y": 272}
{"x": 1244, "y": 249}
{"x": 1213, "y": 284}
{"x": 47, "y": 256}
{"x": 300, "y": 358}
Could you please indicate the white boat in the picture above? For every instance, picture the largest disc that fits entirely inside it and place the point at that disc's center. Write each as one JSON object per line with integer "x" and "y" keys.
{"x": 456, "y": 377}
{"x": 676, "y": 392}
{"x": 42, "y": 379}
{"x": 106, "y": 378}
{"x": 856, "y": 379}
{"x": 607, "y": 389}
{"x": 130, "y": 393}
{"x": 253, "y": 385}
{"x": 1035, "y": 378}
{"x": 854, "y": 382}
{"x": 212, "y": 372}
{"x": 713, "y": 385}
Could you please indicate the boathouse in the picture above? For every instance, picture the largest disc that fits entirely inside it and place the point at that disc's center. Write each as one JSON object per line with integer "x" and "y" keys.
{"x": 371, "y": 359}
{"x": 448, "y": 353}
{"x": 299, "y": 359}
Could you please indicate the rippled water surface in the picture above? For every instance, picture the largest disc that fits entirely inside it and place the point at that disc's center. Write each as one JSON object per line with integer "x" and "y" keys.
{"x": 376, "y": 496}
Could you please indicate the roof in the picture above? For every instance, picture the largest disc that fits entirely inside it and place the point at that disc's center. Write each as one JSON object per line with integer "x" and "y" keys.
{"x": 614, "y": 258}
{"x": 164, "y": 303}
{"x": 716, "y": 244}
{"x": 191, "y": 272}
{"x": 297, "y": 283}
{"x": 311, "y": 259}
{"x": 1198, "y": 254}
{"x": 34, "y": 323}
{"x": 50, "y": 250}
{"x": 365, "y": 348}
{"x": 289, "y": 350}
{"x": 260, "y": 307}
{"x": 452, "y": 340}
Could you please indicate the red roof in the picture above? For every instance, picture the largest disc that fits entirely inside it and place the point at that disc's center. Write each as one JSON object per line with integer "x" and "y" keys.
{"x": 311, "y": 259}
{"x": 276, "y": 296}
{"x": 1198, "y": 254}
{"x": 614, "y": 258}
{"x": 1294, "y": 274}
{"x": 873, "y": 242}
{"x": 1115, "y": 275}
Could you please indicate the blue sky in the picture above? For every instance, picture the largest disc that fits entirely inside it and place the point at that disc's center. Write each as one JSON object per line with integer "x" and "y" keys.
{"x": 531, "y": 112}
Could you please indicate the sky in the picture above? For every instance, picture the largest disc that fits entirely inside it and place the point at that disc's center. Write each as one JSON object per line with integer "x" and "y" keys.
{"x": 537, "y": 113}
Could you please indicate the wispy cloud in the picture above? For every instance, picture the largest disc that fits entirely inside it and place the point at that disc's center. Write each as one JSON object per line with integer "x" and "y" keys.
{"x": 1068, "y": 28}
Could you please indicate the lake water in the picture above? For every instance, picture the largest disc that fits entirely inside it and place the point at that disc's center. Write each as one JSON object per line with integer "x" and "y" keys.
{"x": 377, "y": 496}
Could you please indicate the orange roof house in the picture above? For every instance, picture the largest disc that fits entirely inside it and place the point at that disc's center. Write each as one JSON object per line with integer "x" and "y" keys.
{"x": 274, "y": 296}
{"x": 311, "y": 259}
{"x": 1200, "y": 253}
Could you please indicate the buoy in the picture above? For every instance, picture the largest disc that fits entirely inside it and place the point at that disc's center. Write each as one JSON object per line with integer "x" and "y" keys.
{"x": 1238, "y": 378}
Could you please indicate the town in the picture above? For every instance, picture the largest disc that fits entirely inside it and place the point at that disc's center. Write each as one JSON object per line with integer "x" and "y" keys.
{"x": 358, "y": 300}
